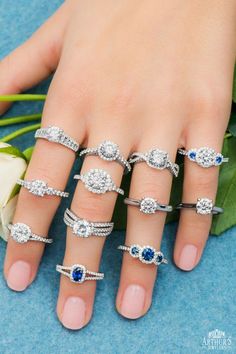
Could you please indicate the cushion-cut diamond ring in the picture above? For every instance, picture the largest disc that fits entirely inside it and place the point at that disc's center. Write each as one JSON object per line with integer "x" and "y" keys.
{"x": 22, "y": 233}
{"x": 148, "y": 205}
{"x": 204, "y": 156}
{"x": 78, "y": 273}
{"x": 146, "y": 254}
{"x": 57, "y": 135}
{"x": 204, "y": 206}
{"x": 40, "y": 188}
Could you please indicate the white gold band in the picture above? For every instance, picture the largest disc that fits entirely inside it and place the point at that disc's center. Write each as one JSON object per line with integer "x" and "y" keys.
{"x": 40, "y": 188}
{"x": 57, "y": 135}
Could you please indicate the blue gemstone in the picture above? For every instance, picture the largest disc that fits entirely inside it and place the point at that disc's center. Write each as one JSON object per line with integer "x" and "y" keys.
{"x": 147, "y": 254}
{"x": 134, "y": 251}
{"x": 77, "y": 274}
{"x": 218, "y": 160}
{"x": 192, "y": 155}
{"x": 159, "y": 258}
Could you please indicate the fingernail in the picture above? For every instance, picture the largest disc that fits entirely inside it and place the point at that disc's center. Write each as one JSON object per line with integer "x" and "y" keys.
{"x": 133, "y": 301}
{"x": 18, "y": 277}
{"x": 188, "y": 257}
{"x": 73, "y": 316}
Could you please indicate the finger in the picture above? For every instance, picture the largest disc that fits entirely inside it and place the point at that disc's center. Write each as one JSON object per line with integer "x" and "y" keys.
{"x": 137, "y": 279}
{"x": 75, "y": 301}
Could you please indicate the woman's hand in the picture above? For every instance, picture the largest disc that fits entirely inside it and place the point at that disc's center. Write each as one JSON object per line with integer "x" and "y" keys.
{"x": 144, "y": 75}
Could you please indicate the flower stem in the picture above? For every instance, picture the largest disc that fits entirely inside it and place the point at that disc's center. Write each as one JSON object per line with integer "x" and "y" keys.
{"x": 20, "y": 132}
{"x": 22, "y": 97}
{"x": 20, "y": 119}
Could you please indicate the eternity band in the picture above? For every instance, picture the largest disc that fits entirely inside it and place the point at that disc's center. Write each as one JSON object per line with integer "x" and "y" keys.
{"x": 148, "y": 205}
{"x": 85, "y": 228}
{"x": 21, "y": 233}
{"x": 57, "y": 135}
{"x": 78, "y": 273}
{"x": 204, "y": 206}
{"x": 145, "y": 254}
{"x": 40, "y": 188}
{"x": 205, "y": 157}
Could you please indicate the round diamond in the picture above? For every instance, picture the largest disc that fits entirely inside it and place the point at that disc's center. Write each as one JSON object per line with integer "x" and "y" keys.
{"x": 204, "y": 206}
{"x": 205, "y": 157}
{"x": 82, "y": 228}
{"x": 108, "y": 150}
{"x": 78, "y": 274}
{"x": 147, "y": 254}
{"x": 20, "y": 232}
{"x": 148, "y": 205}
{"x": 134, "y": 251}
{"x": 157, "y": 158}
{"x": 98, "y": 181}
{"x": 38, "y": 187}
{"x": 54, "y": 133}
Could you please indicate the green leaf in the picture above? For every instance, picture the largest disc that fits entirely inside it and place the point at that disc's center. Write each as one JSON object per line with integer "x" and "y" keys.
{"x": 28, "y": 153}
{"x": 232, "y": 122}
{"x": 234, "y": 86}
{"x": 12, "y": 150}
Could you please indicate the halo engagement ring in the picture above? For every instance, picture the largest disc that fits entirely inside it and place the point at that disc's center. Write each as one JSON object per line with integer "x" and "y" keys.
{"x": 40, "y": 188}
{"x": 57, "y": 135}
{"x": 85, "y": 228}
{"x": 204, "y": 206}
{"x": 22, "y": 233}
{"x": 98, "y": 181}
{"x": 204, "y": 156}
{"x": 148, "y": 205}
{"x": 78, "y": 273}
{"x": 108, "y": 151}
{"x": 155, "y": 158}
{"x": 146, "y": 254}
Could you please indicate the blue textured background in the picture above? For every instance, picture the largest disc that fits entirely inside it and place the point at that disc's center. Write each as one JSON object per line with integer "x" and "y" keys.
{"x": 186, "y": 306}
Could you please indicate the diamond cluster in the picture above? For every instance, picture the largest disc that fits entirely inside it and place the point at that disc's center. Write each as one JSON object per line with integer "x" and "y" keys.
{"x": 147, "y": 254}
{"x": 204, "y": 206}
{"x": 38, "y": 187}
{"x": 108, "y": 150}
{"x": 157, "y": 158}
{"x": 205, "y": 157}
{"x": 98, "y": 181}
{"x": 148, "y": 205}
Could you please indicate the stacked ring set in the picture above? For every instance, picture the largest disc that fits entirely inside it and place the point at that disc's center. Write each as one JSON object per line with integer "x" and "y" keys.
{"x": 99, "y": 181}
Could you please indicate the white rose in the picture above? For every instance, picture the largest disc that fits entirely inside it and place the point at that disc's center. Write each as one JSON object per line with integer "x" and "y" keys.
{"x": 11, "y": 168}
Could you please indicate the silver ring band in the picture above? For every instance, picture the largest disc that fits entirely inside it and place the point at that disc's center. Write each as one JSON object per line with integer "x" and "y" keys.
{"x": 78, "y": 273}
{"x": 204, "y": 206}
{"x": 145, "y": 254}
{"x": 57, "y": 135}
{"x": 85, "y": 228}
{"x": 205, "y": 157}
{"x": 40, "y": 188}
{"x": 148, "y": 205}
{"x": 21, "y": 233}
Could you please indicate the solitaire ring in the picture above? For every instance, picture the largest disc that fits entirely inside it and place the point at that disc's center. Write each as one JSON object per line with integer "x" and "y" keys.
{"x": 98, "y": 181}
{"x": 78, "y": 273}
{"x": 204, "y": 206}
{"x": 57, "y": 135}
{"x": 148, "y": 205}
{"x": 85, "y": 228}
{"x": 146, "y": 254}
{"x": 21, "y": 233}
{"x": 204, "y": 156}
{"x": 40, "y": 188}
{"x": 108, "y": 151}
{"x": 157, "y": 159}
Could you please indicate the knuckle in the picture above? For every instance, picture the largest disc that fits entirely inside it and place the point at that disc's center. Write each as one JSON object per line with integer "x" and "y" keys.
{"x": 92, "y": 208}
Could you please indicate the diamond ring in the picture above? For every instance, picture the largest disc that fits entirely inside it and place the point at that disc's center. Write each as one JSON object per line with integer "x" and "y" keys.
{"x": 108, "y": 151}
{"x": 155, "y": 158}
{"x": 85, "y": 228}
{"x": 148, "y": 205}
{"x": 78, "y": 273}
{"x": 22, "y": 233}
{"x": 57, "y": 135}
{"x": 98, "y": 181}
{"x": 40, "y": 188}
{"x": 204, "y": 206}
{"x": 204, "y": 156}
{"x": 146, "y": 254}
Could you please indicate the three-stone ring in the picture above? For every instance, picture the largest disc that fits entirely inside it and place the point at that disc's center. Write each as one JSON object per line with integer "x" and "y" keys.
{"x": 57, "y": 135}
{"x": 146, "y": 254}
{"x": 148, "y": 205}
{"x": 98, "y": 181}
{"x": 204, "y": 206}
{"x": 85, "y": 228}
{"x": 108, "y": 151}
{"x": 78, "y": 273}
{"x": 157, "y": 159}
{"x": 21, "y": 233}
{"x": 204, "y": 156}
{"x": 40, "y": 188}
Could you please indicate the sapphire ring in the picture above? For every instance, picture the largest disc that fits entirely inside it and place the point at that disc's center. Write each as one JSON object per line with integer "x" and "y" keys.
{"x": 146, "y": 254}
{"x": 204, "y": 206}
{"x": 108, "y": 151}
{"x": 78, "y": 273}
{"x": 21, "y": 233}
{"x": 204, "y": 156}
{"x": 40, "y": 188}
{"x": 148, "y": 205}
{"x": 84, "y": 228}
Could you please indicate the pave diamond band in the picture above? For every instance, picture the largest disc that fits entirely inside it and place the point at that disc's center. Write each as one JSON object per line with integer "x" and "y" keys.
{"x": 40, "y": 188}
{"x": 98, "y": 181}
{"x": 157, "y": 159}
{"x": 21, "y": 233}
{"x": 146, "y": 254}
{"x": 108, "y": 151}
{"x": 78, "y": 273}
{"x": 204, "y": 206}
{"x": 85, "y": 228}
{"x": 204, "y": 156}
{"x": 148, "y": 205}
{"x": 57, "y": 135}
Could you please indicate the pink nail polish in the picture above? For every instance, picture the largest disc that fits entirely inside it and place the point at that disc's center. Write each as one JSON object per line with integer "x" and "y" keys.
{"x": 133, "y": 301}
{"x": 188, "y": 257}
{"x": 73, "y": 316}
{"x": 18, "y": 277}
